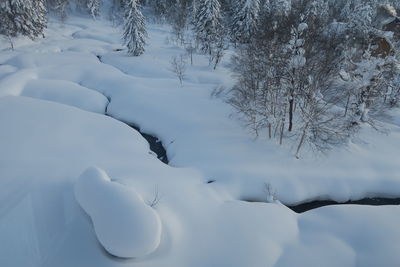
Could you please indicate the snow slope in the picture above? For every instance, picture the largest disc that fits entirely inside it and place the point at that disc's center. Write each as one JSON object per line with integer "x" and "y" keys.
{"x": 48, "y": 139}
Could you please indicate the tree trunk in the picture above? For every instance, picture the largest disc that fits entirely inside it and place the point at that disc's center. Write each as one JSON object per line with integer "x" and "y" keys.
{"x": 269, "y": 130}
{"x": 281, "y": 137}
{"x": 347, "y": 106}
{"x": 11, "y": 42}
{"x": 276, "y": 129}
{"x": 301, "y": 140}
{"x": 291, "y": 106}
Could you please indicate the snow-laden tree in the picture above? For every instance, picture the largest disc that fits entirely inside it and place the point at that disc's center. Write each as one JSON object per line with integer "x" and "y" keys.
{"x": 116, "y": 12}
{"x": 208, "y": 24}
{"x": 345, "y": 12}
{"x": 7, "y": 25}
{"x": 266, "y": 7}
{"x": 22, "y": 17}
{"x": 372, "y": 84}
{"x": 361, "y": 18}
{"x": 135, "y": 32}
{"x": 310, "y": 76}
{"x": 179, "y": 16}
{"x": 296, "y": 63}
{"x": 284, "y": 76}
{"x": 371, "y": 64}
{"x": 94, "y": 7}
{"x": 281, "y": 7}
{"x": 244, "y": 21}
{"x": 159, "y": 7}
{"x": 59, "y": 7}
{"x": 39, "y": 18}
{"x": 317, "y": 10}
{"x": 193, "y": 10}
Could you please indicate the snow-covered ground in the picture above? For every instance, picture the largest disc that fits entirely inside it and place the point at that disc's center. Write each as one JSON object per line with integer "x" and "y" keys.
{"x": 53, "y": 97}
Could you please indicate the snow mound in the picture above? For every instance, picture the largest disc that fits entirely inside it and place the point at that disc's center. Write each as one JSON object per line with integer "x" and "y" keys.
{"x": 67, "y": 93}
{"x": 124, "y": 224}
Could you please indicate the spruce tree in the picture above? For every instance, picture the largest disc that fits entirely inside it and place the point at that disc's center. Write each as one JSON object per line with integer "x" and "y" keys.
{"x": 7, "y": 25}
{"x": 281, "y": 7}
{"x": 244, "y": 20}
{"x": 159, "y": 7}
{"x": 94, "y": 7}
{"x": 39, "y": 18}
{"x": 134, "y": 28}
{"x": 22, "y": 17}
{"x": 208, "y": 24}
{"x": 59, "y": 7}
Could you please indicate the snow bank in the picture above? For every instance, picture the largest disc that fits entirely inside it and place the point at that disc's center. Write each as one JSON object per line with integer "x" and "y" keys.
{"x": 124, "y": 224}
{"x": 349, "y": 235}
{"x": 67, "y": 93}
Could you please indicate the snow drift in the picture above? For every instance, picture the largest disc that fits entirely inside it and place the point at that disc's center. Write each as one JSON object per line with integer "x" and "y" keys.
{"x": 124, "y": 224}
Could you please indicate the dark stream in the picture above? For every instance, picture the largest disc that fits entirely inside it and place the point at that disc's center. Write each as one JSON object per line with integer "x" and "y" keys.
{"x": 377, "y": 201}
{"x": 155, "y": 145}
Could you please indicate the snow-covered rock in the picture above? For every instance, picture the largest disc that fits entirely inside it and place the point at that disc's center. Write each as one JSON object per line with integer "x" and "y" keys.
{"x": 124, "y": 224}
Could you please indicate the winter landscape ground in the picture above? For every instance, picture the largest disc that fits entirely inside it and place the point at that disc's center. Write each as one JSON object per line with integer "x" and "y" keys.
{"x": 79, "y": 186}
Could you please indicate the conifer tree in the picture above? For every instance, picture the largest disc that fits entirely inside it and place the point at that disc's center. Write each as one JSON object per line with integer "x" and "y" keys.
{"x": 7, "y": 25}
{"x": 40, "y": 17}
{"x": 94, "y": 7}
{"x": 22, "y": 17}
{"x": 59, "y": 7}
{"x": 134, "y": 28}
{"x": 159, "y": 7}
{"x": 208, "y": 24}
{"x": 244, "y": 20}
{"x": 281, "y": 7}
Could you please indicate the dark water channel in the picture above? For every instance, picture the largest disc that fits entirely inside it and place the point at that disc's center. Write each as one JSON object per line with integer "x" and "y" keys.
{"x": 155, "y": 145}
{"x": 377, "y": 201}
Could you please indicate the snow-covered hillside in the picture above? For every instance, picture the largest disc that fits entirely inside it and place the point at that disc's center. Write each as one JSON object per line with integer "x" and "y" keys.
{"x": 54, "y": 95}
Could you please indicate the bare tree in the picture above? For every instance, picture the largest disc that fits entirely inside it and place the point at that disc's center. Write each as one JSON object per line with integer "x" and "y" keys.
{"x": 178, "y": 66}
{"x": 285, "y": 77}
{"x": 218, "y": 49}
{"x": 156, "y": 198}
{"x": 190, "y": 49}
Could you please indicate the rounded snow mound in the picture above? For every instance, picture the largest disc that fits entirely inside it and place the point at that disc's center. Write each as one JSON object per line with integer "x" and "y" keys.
{"x": 124, "y": 224}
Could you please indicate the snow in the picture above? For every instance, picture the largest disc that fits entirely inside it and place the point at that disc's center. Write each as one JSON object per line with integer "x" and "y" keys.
{"x": 66, "y": 92}
{"x": 124, "y": 224}
{"x": 49, "y": 139}
{"x": 345, "y": 231}
{"x": 302, "y": 27}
